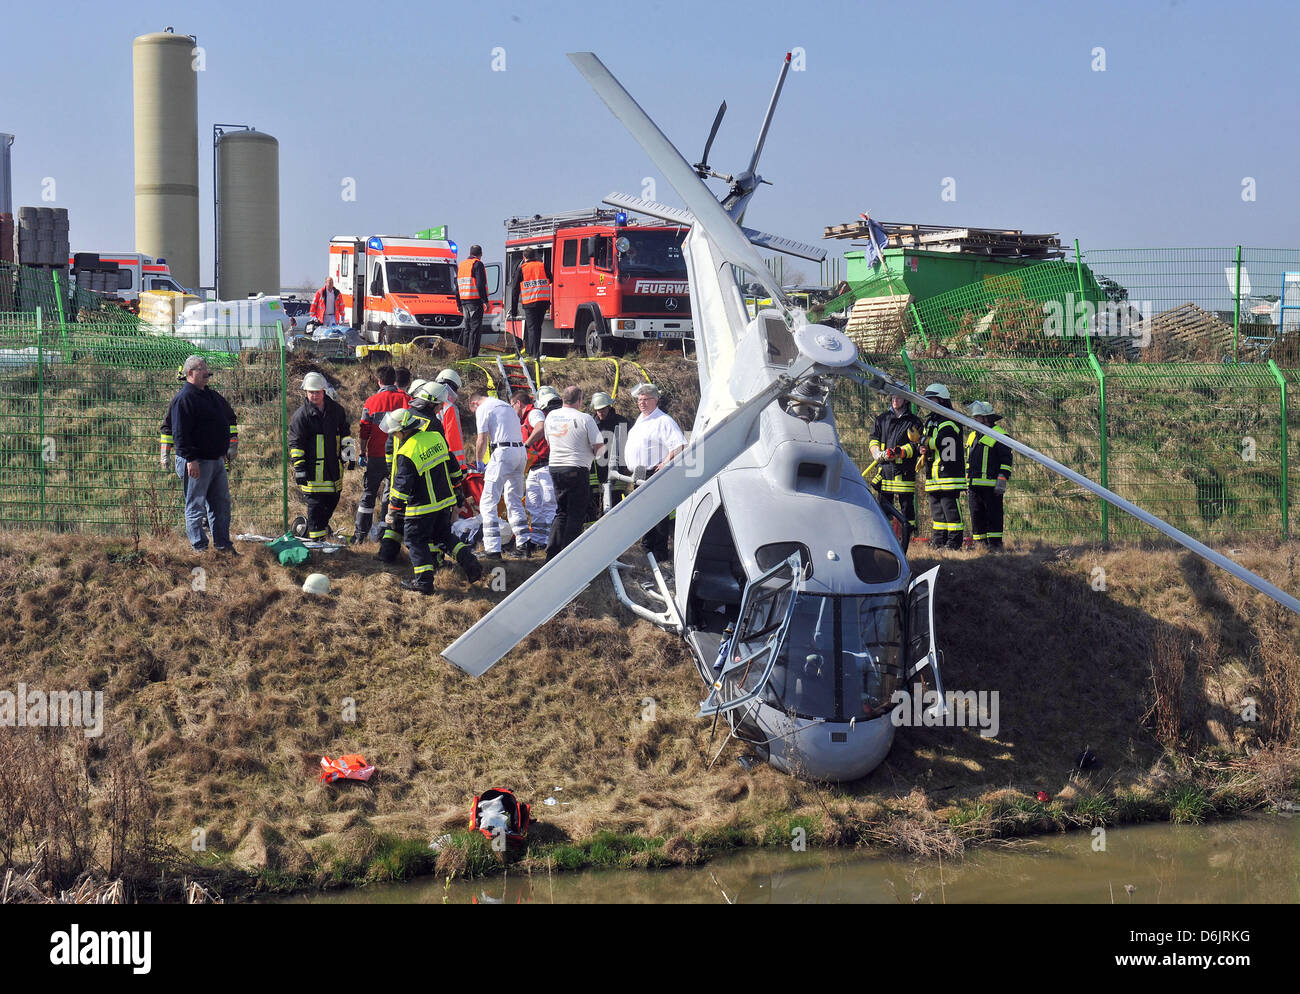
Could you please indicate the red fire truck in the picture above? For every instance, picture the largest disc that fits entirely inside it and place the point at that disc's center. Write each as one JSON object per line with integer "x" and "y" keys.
{"x": 613, "y": 281}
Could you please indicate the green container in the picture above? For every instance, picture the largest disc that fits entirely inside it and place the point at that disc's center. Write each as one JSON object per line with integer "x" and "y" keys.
{"x": 928, "y": 274}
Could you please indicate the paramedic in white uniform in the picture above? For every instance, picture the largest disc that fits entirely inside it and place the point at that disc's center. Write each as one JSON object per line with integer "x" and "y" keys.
{"x": 499, "y": 428}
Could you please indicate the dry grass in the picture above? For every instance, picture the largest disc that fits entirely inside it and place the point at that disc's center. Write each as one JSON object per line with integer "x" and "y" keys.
{"x": 225, "y": 700}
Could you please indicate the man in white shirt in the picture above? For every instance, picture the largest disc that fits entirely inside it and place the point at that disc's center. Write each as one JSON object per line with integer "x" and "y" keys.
{"x": 498, "y": 426}
{"x": 575, "y": 441}
{"x": 539, "y": 488}
{"x": 653, "y": 440}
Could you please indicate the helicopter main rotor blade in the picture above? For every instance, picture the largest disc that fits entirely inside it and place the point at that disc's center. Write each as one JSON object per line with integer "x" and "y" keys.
{"x": 713, "y": 133}
{"x": 767, "y": 118}
{"x": 882, "y": 382}
{"x": 544, "y": 594}
{"x": 724, "y": 231}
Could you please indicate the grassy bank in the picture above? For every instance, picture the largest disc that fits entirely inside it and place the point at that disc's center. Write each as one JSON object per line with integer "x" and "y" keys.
{"x": 220, "y": 701}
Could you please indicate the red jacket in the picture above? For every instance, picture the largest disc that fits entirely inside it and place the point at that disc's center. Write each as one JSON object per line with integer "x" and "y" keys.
{"x": 318, "y": 306}
{"x": 373, "y": 438}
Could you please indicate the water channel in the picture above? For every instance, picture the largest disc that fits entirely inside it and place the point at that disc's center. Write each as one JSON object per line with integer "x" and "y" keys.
{"x": 1251, "y": 860}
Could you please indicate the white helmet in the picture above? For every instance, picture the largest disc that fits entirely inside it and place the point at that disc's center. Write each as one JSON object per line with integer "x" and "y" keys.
{"x": 601, "y": 400}
{"x": 317, "y": 583}
{"x": 403, "y": 419}
{"x": 434, "y": 391}
{"x": 451, "y": 378}
{"x": 546, "y": 396}
{"x": 415, "y": 387}
{"x": 938, "y": 390}
{"x": 979, "y": 409}
{"x": 314, "y": 381}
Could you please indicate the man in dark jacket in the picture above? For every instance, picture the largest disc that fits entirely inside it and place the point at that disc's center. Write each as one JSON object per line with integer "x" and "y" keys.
{"x": 206, "y": 437}
{"x": 895, "y": 445}
{"x": 472, "y": 292}
{"x": 614, "y": 427}
{"x": 945, "y": 477}
{"x": 320, "y": 442}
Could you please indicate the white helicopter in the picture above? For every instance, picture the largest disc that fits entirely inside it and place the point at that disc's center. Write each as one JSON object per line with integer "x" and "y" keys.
{"x": 781, "y": 550}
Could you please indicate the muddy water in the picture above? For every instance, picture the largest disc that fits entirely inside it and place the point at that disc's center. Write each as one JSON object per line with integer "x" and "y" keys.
{"x": 1254, "y": 860}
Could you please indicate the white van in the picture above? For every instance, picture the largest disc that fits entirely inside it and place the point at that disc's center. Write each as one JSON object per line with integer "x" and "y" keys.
{"x": 231, "y": 325}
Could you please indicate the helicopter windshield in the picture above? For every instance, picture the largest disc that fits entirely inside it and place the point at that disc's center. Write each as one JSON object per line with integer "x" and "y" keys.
{"x": 841, "y": 658}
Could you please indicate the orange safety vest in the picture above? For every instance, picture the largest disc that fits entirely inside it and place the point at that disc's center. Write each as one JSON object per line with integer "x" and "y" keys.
{"x": 465, "y": 282}
{"x": 534, "y": 287}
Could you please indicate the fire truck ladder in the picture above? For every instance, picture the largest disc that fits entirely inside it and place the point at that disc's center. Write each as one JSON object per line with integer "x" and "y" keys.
{"x": 514, "y": 376}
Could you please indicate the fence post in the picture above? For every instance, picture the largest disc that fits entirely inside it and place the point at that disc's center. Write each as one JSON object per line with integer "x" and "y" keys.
{"x": 1286, "y": 494}
{"x": 1236, "y": 310}
{"x": 919, "y": 326}
{"x": 58, "y": 299}
{"x": 284, "y": 434}
{"x": 40, "y": 406}
{"x": 1078, "y": 272}
{"x": 1104, "y": 446}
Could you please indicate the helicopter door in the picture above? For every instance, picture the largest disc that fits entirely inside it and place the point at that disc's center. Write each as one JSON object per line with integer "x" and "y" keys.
{"x": 765, "y": 613}
{"x": 922, "y": 651}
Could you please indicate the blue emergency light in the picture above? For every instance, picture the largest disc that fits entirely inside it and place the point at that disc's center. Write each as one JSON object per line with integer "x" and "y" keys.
{"x": 454, "y": 250}
{"x": 620, "y": 218}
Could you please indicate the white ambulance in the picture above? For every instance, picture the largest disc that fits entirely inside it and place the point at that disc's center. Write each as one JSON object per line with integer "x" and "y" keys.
{"x": 395, "y": 289}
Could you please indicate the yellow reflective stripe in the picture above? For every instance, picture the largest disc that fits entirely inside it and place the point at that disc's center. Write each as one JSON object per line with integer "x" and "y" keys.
{"x": 393, "y": 492}
{"x": 984, "y": 482}
{"x": 297, "y": 454}
{"x": 320, "y": 458}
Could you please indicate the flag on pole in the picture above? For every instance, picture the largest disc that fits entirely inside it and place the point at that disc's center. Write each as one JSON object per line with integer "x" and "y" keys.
{"x": 879, "y": 239}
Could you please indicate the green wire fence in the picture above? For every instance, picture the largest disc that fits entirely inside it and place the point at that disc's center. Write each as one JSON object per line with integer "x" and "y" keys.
{"x": 81, "y": 407}
{"x": 1157, "y": 410}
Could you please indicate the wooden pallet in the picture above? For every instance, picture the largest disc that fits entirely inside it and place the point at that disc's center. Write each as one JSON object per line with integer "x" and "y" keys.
{"x": 878, "y": 324}
{"x": 1002, "y": 242}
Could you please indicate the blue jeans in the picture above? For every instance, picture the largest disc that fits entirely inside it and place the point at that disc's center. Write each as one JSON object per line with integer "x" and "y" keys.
{"x": 208, "y": 497}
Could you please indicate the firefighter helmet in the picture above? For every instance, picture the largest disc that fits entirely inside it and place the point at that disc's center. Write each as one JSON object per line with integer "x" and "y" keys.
{"x": 599, "y": 401}
{"x": 433, "y": 391}
{"x": 451, "y": 378}
{"x": 415, "y": 387}
{"x": 314, "y": 381}
{"x": 403, "y": 419}
{"x": 938, "y": 390}
{"x": 546, "y": 396}
{"x": 979, "y": 409}
{"x": 317, "y": 583}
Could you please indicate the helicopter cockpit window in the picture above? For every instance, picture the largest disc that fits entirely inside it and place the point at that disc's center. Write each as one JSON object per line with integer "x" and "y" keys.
{"x": 872, "y": 653}
{"x": 773, "y": 553}
{"x": 841, "y": 659}
{"x": 875, "y": 565}
{"x": 781, "y": 349}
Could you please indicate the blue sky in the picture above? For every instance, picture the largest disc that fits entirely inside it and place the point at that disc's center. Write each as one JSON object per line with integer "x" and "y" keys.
{"x": 1001, "y": 97}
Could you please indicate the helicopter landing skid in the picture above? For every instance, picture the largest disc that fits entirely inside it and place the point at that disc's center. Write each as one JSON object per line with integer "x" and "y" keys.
{"x": 665, "y": 615}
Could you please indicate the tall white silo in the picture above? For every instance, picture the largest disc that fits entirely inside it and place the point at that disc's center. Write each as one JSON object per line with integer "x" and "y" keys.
{"x": 248, "y": 214}
{"x": 167, "y": 152}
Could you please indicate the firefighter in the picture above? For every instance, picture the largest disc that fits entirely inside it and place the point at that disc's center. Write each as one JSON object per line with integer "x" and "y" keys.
{"x": 945, "y": 476}
{"x": 320, "y": 443}
{"x": 472, "y": 293}
{"x": 374, "y": 444}
{"x": 422, "y": 495}
{"x": 450, "y": 416}
{"x": 421, "y": 400}
{"x": 535, "y": 298}
{"x": 539, "y": 488}
{"x": 613, "y": 428}
{"x": 895, "y": 444}
{"x": 988, "y": 468}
